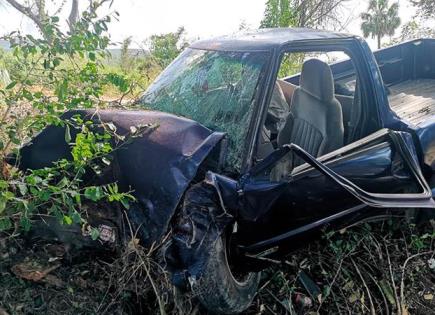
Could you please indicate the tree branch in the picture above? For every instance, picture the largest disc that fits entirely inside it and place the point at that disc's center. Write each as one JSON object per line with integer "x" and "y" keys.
{"x": 23, "y": 9}
{"x": 27, "y": 11}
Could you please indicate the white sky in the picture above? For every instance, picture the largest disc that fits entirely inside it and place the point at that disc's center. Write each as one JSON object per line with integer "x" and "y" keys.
{"x": 201, "y": 18}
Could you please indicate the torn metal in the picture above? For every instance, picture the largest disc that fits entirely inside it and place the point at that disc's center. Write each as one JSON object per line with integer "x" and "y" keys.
{"x": 157, "y": 166}
{"x": 199, "y": 224}
{"x": 206, "y": 214}
{"x": 260, "y": 204}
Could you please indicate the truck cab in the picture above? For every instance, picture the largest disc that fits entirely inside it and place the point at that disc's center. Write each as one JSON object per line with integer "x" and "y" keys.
{"x": 262, "y": 55}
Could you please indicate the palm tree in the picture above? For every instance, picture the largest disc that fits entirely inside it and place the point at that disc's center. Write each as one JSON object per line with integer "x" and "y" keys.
{"x": 380, "y": 19}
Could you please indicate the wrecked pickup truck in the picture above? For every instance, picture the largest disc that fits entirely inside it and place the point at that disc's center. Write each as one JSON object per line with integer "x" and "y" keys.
{"x": 261, "y": 145}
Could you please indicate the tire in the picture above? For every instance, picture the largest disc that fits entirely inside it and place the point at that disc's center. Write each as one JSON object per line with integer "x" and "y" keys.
{"x": 218, "y": 290}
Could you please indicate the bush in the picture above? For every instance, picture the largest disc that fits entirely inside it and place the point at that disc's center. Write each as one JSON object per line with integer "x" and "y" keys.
{"x": 49, "y": 76}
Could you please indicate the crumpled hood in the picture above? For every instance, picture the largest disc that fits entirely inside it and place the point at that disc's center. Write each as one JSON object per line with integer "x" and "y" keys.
{"x": 158, "y": 166}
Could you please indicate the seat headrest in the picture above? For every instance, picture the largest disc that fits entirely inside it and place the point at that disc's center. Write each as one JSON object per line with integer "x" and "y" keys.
{"x": 316, "y": 79}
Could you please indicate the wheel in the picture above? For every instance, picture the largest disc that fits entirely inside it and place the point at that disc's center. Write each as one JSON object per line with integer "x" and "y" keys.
{"x": 219, "y": 289}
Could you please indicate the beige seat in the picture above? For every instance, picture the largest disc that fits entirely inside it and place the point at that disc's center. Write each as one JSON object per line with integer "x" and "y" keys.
{"x": 315, "y": 121}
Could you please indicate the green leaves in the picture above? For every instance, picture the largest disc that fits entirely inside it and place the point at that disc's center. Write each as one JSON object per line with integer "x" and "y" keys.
{"x": 11, "y": 85}
{"x": 95, "y": 234}
{"x": 22, "y": 187}
{"x": 5, "y": 224}
{"x": 27, "y": 95}
{"x": 48, "y": 76}
{"x": 165, "y": 48}
{"x": 67, "y": 220}
{"x": 92, "y": 56}
{"x": 2, "y": 205}
{"x": 114, "y": 195}
{"x": 381, "y": 19}
{"x": 89, "y": 147}
{"x": 279, "y": 13}
{"x": 94, "y": 193}
{"x": 62, "y": 90}
{"x": 67, "y": 134}
{"x": 119, "y": 81}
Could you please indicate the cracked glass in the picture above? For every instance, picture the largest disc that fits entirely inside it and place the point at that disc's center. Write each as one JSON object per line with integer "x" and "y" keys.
{"x": 214, "y": 88}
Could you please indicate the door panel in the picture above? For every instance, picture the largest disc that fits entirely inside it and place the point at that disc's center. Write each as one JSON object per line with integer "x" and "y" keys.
{"x": 380, "y": 171}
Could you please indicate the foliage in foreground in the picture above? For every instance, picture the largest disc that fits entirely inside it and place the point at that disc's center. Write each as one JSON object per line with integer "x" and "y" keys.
{"x": 73, "y": 78}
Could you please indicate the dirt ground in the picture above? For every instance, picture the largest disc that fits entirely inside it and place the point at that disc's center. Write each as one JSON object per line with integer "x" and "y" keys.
{"x": 374, "y": 268}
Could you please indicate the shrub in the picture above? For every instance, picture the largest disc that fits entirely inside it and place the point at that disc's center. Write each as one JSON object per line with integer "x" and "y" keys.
{"x": 60, "y": 72}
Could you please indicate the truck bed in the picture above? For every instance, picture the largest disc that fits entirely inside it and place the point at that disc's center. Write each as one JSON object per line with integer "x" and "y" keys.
{"x": 413, "y": 100}
{"x": 408, "y": 71}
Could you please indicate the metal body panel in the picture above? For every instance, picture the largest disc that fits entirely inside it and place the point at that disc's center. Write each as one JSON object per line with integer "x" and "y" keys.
{"x": 266, "y": 39}
{"x": 157, "y": 166}
{"x": 381, "y": 172}
{"x": 426, "y": 137}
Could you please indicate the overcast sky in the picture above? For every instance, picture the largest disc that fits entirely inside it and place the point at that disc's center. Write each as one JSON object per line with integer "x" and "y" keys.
{"x": 201, "y": 18}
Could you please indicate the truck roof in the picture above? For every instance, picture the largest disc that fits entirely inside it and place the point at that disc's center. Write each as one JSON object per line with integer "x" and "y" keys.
{"x": 265, "y": 39}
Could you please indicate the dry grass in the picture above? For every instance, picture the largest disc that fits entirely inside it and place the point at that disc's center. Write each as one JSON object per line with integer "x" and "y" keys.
{"x": 376, "y": 268}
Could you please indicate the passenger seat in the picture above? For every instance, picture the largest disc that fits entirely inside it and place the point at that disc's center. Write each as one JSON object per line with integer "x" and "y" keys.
{"x": 315, "y": 121}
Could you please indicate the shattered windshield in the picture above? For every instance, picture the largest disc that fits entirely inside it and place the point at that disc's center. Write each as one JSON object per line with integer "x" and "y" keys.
{"x": 214, "y": 88}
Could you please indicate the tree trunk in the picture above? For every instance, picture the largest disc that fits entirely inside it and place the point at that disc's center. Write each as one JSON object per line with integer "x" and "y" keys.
{"x": 40, "y": 5}
{"x": 74, "y": 15}
{"x": 379, "y": 41}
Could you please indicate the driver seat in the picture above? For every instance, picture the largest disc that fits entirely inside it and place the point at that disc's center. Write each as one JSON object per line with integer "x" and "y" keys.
{"x": 315, "y": 121}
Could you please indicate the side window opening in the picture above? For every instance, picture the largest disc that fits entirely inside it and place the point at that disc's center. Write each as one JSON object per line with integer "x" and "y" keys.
{"x": 314, "y": 103}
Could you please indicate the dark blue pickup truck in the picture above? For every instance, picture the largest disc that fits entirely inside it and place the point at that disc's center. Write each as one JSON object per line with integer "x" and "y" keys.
{"x": 264, "y": 139}
{"x": 326, "y": 147}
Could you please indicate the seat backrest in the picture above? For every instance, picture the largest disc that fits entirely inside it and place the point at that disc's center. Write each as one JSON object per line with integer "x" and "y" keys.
{"x": 315, "y": 122}
{"x": 347, "y": 105}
